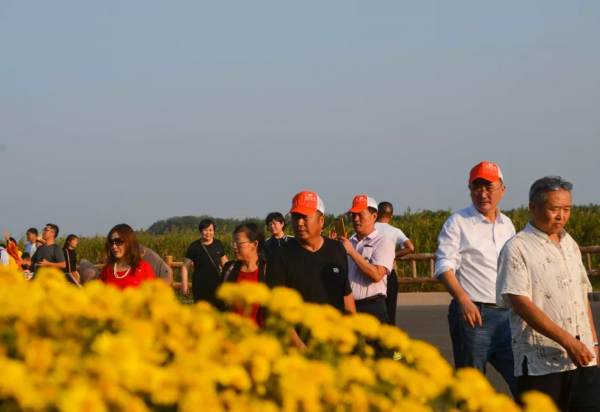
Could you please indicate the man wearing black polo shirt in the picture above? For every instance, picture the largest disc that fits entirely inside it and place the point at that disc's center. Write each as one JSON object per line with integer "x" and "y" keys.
{"x": 315, "y": 266}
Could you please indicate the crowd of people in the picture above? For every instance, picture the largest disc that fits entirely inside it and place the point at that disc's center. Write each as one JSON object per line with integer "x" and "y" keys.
{"x": 519, "y": 299}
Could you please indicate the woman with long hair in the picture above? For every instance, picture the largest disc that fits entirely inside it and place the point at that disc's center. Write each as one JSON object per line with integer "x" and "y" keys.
{"x": 124, "y": 264}
{"x": 208, "y": 256}
{"x": 71, "y": 256}
{"x": 250, "y": 266}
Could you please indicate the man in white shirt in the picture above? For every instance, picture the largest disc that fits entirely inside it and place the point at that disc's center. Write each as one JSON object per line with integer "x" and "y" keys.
{"x": 31, "y": 235}
{"x": 385, "y": 213}
{"x": 468, "y": 249}
{"x": 541, "y": 278}
{"x": 370, "y": 259}
{"x": 4, "y": 260}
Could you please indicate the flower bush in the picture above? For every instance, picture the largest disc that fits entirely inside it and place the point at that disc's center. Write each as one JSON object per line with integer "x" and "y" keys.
{"x": 101, "y": 349}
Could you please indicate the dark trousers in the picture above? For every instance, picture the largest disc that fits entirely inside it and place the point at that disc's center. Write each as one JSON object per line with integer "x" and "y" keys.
{"x": 375, "y": 307}
{"x": 477, "y": 346}
{"x": 572, "y": 391}
{"x": 391, "y": 301}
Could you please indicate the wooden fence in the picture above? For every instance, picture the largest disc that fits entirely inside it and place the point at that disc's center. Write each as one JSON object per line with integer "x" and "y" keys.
{"x": 586, "y": 252}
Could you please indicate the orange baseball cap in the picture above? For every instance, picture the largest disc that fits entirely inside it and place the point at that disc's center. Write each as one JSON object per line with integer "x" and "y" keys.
{"x": 307, "y": 203}
{"x": 361, "y": 202}
{"x": 487, "y": 171}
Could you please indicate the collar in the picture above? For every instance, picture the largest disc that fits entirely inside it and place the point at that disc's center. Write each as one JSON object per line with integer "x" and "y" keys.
{"x": 477, "y": 217}
{"x": 535, "y": 231}
{"x": 370, "y": 236}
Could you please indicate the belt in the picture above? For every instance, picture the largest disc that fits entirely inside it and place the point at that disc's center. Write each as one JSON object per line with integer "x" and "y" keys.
{"x": 370, "y": 299}
{"x": 490, "y": 306}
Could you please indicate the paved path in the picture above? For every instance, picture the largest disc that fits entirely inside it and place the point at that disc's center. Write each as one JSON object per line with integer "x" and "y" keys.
{"x": 425, "y": 317}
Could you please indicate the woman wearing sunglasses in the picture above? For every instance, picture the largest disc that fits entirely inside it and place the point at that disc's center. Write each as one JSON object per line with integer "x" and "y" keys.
{"x": 250, "y": 266}
{"x": 124, "y": 264}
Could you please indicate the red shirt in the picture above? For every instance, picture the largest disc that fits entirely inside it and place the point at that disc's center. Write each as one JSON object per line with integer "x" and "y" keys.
{"x": 143, "y": 273}
{"x": 254, "y": 314}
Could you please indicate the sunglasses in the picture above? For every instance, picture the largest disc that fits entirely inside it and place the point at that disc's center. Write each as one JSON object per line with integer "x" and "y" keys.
{"x": 116, "y": 241}
{"x": 552, "y": 187}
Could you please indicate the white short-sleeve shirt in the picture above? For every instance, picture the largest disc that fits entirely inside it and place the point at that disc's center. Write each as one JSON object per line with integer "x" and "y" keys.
{"x": 391, "y": 232}
{"x": 377, "y": 250}
{"x": 555, "y": 280}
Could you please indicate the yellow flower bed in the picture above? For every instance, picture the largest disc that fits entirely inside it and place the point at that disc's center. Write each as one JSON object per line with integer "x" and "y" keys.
{"x": 101, "y": 349}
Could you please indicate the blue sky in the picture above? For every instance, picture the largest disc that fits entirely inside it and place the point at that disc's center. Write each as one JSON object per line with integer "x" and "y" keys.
{"x": 136, "y": 111}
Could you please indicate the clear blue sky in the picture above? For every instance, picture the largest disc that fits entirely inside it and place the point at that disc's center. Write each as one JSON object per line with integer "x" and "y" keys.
{"x": 134, "y": 111}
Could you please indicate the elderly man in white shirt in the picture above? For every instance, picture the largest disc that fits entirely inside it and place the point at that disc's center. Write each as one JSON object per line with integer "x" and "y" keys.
{"x": 370, "y": 259}
{"x": 468, "y": 249}
{"x": 542, "y": 279}
{"x": 385, "y": 213}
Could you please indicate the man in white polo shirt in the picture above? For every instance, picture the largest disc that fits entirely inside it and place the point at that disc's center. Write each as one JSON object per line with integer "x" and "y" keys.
{"x": 385, "y": 213}
{"x": 370, "y": 259}
{"x": 468, "y": 249}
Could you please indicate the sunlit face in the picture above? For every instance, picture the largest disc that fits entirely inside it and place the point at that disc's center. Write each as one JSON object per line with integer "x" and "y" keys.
{"x": 73, "y": 243}
{"x": 486, "y": 195}
{"x": 307, "y": 226}
{"x": 275, "y": 227}
{"x": 208, "y": 234}
{"x": 243, "y": 248}
{"x": 552, "y": 216}
{"x": 117, "y": 245}
{"x": 31, "y": 237}
{"x": 48, "y": 233}
{"x": 364, "y": 222}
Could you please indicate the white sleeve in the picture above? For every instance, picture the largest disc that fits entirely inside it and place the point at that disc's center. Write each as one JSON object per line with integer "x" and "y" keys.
{"x": 513, "y": 275}
{"x": 448, "y": 256}
{"x": 4, "y": 257}
{"x": 401, "y": 238}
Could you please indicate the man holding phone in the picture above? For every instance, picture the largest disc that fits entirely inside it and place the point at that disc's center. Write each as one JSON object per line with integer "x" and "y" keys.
{"x": 370, "y": 259}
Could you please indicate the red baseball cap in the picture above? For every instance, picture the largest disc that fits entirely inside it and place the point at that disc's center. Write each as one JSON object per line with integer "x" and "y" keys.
{"x": 486, "y": 170}
{"x": 361, "y": 202}
{"x": 307, "y": 203}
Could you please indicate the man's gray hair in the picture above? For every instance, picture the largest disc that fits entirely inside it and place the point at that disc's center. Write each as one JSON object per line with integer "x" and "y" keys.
{"x": 537, "y": 194}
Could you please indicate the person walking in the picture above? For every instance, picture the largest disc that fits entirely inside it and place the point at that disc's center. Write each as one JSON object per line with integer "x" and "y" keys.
{"x": 543, "y": 282}
{"x": 125, "y": 266}
{"x": 249, "y": 264}
{"x": 71, "y": 257}
{"x": 313, "y": 265}
{"x": 276, "y": 225}
{"x": 467, "y": 255}
{"x": 31, "y": 236}
{"x": 385, "y": 213}
{"x": 208, "y": 256}
{"x": 49, "y": 254}
{"x": 370, "y": 259}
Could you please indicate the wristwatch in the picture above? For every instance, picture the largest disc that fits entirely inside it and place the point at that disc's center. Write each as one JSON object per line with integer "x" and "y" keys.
{"x": 595, "y": 344}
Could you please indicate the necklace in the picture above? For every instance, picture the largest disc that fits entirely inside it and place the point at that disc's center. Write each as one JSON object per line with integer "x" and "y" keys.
{"x": 115, "y": 272}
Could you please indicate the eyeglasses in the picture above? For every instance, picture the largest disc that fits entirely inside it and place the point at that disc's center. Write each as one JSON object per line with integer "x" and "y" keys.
{"x": 116, "y": 241}
{"x": 487, "y": 189}
{"x": 237, "y": 244}
{"x": 46, "y": 229}
{"x": 552, "y": 187}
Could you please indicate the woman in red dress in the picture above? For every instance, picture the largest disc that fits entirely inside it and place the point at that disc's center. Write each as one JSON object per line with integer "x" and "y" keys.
{"x": 124, "y": 264}
{"x": 248, "y": 245}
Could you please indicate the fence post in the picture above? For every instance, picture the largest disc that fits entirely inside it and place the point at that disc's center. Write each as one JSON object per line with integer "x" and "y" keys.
{"x": 589, "y": 261}
{"x": 414, "y": 268}
{"x": 169, "y": 262}
{"x": 431, "y": 268}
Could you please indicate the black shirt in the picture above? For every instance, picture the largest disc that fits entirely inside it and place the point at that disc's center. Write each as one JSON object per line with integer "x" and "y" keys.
{"x": 71, "y": 260}
{"x": 272, "y": 243}
{"x": 206, "y": 278}
{"x": 320, "y": 277}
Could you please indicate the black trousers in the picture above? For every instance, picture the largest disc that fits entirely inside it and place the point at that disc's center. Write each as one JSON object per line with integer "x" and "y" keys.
{"x": 572, "y": 391}
{"x": 375, "y": 307}
{"x": 391, "y": 301}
